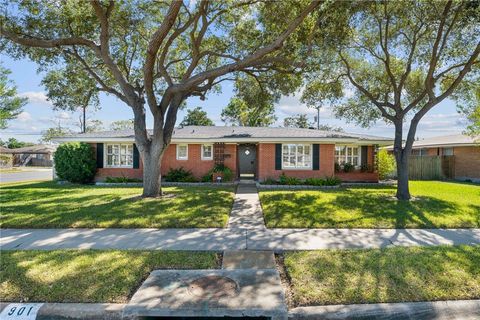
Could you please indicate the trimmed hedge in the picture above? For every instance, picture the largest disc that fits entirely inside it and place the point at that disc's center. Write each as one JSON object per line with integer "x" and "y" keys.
{"x": 75, "y": 162}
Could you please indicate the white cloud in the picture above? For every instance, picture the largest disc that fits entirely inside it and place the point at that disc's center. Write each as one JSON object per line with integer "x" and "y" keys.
{"x": 36, "y": 97}
{"x": 291, "y": 105}
{"x": 24, "y": 117}
{"x": 64, "y": 115}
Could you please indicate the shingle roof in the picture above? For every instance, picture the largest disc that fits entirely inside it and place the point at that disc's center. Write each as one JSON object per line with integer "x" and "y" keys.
{"x": 39, "y": 148}
{"x": 224, "y": 133}
{"x": 450, "y": 140}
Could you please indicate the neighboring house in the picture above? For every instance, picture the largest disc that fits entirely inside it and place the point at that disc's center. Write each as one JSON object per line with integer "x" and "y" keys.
{"x": 39, "y": 155}
{"x": 464, "y": 150}
{"x": 254, "y": 152}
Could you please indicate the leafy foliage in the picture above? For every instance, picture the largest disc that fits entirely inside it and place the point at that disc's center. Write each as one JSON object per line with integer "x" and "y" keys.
{"x": 348, "y": 167}
{"x": 122, "y": 125}
{"x": 386, "y": 164}
{"x": 196, "y": 117}
{"x": 121, "y": 180}
{"x": 252, "y": 105}
{"x": 227, "y": 173}
{"x": 10, "y": 103}
{"x": 51, "y": 133}
{"x": 75, "y": 162}
{"x": 179, "y": 175}
{"x": 297, "y": 121}
{"x": 13, "y": 143}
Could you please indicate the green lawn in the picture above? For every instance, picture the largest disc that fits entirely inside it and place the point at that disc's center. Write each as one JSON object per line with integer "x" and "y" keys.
{"x": 384, "y": 275}
{"x": 87, "y": 275}
{"x": 437, "y": 205}
{"x": 48, "y": 205}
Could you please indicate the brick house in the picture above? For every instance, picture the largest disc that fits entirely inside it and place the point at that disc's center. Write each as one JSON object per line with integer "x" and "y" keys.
{"x": 250, "y": 152}
{"x": 463, "y": 149}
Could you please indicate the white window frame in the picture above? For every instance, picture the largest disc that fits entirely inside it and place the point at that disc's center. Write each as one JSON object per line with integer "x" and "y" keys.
{"x": 203, "y": 152}
{"x": 347, "y": 146}
{"x": 106, "y": 154}
{"x": 177, "y": 149}
{"x": 296, "y": 166}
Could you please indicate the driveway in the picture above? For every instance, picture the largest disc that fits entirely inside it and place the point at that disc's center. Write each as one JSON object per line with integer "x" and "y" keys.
{"x": 26, "y": 175}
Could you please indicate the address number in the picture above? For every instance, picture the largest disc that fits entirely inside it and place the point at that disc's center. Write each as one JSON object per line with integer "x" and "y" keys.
{"x": 20, "y": 311}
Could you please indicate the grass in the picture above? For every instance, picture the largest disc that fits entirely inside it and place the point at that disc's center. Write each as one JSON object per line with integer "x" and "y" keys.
{"x": 437, "y": 205}
{"x": 384, "y": 275}
{"x": 87, "y": 275}
{"x": 48, "y": 205}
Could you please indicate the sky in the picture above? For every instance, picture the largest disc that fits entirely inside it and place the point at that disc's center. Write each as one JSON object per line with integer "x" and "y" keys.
{"x": 38, "y": 115}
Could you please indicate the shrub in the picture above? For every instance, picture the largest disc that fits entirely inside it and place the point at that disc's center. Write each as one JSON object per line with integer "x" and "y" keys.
{"x": 6, "y": 160}
{"x": 338, "y": 168}
{"x": 348, "y": 167}
{"x": 291, "y": 181}
{"x": 121, "y": 180}
{"x": 366, "y": 168}
{"x": 315, "y": 182}
{"x": 270, "y": 181}
{"x": 180, "y": 175}
{"x": 226, "y": 172}
{"x": 386, "y": 164}
{"x": 75, "y": 162}
{"x": 332, "y": 181}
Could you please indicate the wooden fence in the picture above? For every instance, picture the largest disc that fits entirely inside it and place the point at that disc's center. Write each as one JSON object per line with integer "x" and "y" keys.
{"x": 431, "y": 167}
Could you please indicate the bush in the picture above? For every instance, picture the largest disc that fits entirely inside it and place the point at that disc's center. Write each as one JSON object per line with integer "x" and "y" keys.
{"x": 6, "y": 160}
{"x": 226, "y": 172}
{"x": 366, "y": 168}
{"x": 121, "y": 180}
{"x": 180, "y": 175}
{"x": 290, "y": 181}
{"x": 75, "y": 162}
{"x": 338, "y": 168}
{"x": 332, "y": 181}
{"x": 270, "y": 181}
{"x": 386, "y": 164}
{"x": 315, "y": 182}
{"x": 348, "y": 167}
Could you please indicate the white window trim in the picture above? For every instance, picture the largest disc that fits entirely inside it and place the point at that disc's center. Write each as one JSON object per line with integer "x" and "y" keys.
{"x": 202, "y": 155}
{"x": 105, "y": 155}
{"x": 350, "y": 145}
{"x": 176, "y": 149}
{"x": 301, "y": 168}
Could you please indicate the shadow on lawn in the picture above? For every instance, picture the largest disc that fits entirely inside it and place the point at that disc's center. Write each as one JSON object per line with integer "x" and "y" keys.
{"x": 354, "y": 207}
{"x": 43, "y": 205}
{"x": 386, "y": 275}
{"x": 86, "y": 275}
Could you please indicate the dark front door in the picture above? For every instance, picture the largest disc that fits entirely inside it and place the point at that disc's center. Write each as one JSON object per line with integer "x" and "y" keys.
{"x": 247, "y": 156}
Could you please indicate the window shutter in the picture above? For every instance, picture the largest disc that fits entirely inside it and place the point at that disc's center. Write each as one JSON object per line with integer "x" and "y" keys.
{"x": 136, "y": 157}
{"x": 278, "y": 156}
{"x": 316, "y": 157}
{"x": 364, "y": 155}
{"x": 99, "y": 155}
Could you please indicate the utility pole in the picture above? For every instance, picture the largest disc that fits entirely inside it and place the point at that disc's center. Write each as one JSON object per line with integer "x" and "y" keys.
{"x": 84, "y": 124}
{"x": 318, "y": 117}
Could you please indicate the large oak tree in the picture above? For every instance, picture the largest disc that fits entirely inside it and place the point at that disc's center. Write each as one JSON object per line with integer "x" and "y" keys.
{"x": 399, "y": 59}
{"x": 156, "y": 54}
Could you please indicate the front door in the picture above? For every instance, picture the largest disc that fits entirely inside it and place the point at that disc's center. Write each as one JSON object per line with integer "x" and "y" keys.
{"x": 247, "y": 156}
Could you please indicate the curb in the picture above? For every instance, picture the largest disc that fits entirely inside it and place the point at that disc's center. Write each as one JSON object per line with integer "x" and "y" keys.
{"x": 83, "y": 311}
{"x": 450, "y": 309}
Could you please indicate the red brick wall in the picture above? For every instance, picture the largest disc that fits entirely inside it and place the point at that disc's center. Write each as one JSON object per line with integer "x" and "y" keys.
{"x": 467, "y": 162}
{"x": 195, "y": 163}
{"x": 266, "y": 163}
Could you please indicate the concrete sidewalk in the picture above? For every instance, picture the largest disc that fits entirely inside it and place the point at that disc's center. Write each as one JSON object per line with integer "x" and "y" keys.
{"x": 277, "y": 240}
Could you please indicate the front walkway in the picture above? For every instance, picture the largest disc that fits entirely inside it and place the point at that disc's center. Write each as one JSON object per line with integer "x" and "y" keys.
{"x": 246, "y": 231}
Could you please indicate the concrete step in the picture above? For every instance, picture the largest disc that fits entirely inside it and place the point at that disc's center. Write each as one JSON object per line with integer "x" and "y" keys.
{"x": 209, "y": 293}
{"x": 243, "y": 259}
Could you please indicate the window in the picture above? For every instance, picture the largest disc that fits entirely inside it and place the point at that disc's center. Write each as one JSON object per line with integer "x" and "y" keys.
{"x": 119, "y": 155}
{"x": 347, "y": 154}
{"x": 448, "y": 151}
{"x": 207, "y": 152}
{"x": 182, "y": 152}
{"x": 296, "y": 156}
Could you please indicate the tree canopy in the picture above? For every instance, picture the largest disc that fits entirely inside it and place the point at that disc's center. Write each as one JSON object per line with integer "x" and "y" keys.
{"x": 196, "y": 117}
{"x": 122, "y": 125}
{"x": 297, "y": 121}
{"x": 396, "y": 61}
{"x": 157, "y": 54}
{"x": 10, "y": 103}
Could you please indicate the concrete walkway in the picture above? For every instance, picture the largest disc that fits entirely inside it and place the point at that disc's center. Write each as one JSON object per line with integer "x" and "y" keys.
{"x": 246, "y": 231}
{"x": 277, "y": 240}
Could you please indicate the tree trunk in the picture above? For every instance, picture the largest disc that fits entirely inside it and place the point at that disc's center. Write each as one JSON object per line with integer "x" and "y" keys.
{"x": 401, "y": 159}
{"x": 152, "y": 178}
